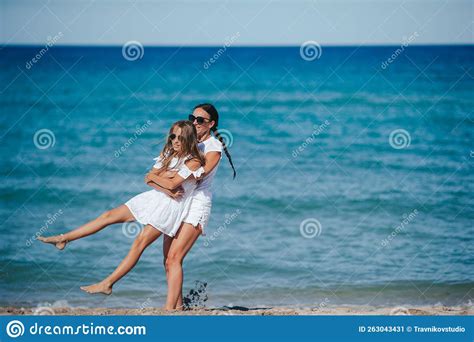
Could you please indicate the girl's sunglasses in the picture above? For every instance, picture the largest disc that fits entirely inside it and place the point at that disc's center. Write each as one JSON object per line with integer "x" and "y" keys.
{"x": 173, "y": 136}
{"x": 200, "y": 120}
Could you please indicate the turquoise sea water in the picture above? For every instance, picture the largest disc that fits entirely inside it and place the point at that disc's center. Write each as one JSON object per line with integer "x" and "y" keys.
{"x": 326, "y": 209}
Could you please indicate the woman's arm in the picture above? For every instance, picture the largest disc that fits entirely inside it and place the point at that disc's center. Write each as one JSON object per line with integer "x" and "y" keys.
{"x": 212, "y": 159}
{"x": 176, "y": 181}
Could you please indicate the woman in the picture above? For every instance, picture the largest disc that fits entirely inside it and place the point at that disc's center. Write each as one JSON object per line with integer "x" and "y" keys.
{"x": 206, "y": 119}
{"x": 159, "y": 213}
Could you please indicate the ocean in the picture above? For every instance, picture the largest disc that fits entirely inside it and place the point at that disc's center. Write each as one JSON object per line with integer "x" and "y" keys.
{"x": 354, "y": 173}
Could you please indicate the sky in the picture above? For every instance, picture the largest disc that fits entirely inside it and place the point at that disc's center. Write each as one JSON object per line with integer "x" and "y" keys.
{"x": 245, "y": 22}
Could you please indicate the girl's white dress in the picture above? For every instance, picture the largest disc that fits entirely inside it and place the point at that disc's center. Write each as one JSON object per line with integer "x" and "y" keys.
{"x": 158, "y": 209}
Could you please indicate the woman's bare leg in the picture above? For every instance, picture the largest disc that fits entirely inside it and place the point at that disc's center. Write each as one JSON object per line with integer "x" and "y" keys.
{"x": 180, "y": 246}
{"x": 147, "y": 236}
{"x": 166, "y": 247}
{"x": 116, "y": 215}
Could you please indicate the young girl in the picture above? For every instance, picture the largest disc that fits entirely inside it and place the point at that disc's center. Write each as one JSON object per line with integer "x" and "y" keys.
{"x": 160, "y": 213}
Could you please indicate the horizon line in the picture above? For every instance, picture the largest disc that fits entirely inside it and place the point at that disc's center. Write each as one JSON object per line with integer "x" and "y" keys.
{"x": 235, "y": 46}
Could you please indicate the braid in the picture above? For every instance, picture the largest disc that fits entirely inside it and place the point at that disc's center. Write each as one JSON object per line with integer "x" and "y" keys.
{"x": 219, "y": 137}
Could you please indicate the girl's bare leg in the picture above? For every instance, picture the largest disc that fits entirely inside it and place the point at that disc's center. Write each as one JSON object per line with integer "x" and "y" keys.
{"x": 147, "y": 236}
{"x": 116, "y": 215}
{"x": 180, "y": 246}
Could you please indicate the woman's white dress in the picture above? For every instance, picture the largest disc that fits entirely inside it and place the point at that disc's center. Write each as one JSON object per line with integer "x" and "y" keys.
{"x": 201, "y": 204}
{"x": 158, "y": 209}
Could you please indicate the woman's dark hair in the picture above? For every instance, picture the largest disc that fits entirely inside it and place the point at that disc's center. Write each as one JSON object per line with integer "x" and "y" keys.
{"x": 212, "y": 111}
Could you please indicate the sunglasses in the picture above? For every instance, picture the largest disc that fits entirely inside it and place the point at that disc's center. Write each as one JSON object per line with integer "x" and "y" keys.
{"x": 200, "y": 120}
{"x": 173, "y": 136}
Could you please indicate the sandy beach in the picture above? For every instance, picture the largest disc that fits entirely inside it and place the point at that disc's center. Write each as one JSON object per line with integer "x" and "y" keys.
{"x": 271, "y": 311}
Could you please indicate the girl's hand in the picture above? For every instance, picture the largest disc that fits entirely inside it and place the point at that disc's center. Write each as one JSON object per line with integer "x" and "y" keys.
{"x": 169, "y": 174}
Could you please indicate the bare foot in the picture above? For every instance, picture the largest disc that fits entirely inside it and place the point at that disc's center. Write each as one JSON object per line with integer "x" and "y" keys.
{"x": 57, "y": 240}
{"x": 98, "y": 288}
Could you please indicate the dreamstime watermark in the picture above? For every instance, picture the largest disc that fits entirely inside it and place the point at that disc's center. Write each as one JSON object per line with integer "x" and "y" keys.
{"x": 97, "y": 137}
{"x": 399, "y": 51}
{"x": 16, "y": 328}
{"x": 133, "y": 50}
{"x": 228, "y": 43}
{"x": 310, "y": 50}
{"x": 48, "y": 309}
{"x": 323, "y": 304}
{"x": 139, "y": 131}
{"x": 44, "y": 139}
{"x": 226, "y": 136}
{"x": 407, "y": 219}
{"x": 310, "y": 228}
{"x": 317, "y": 130}
{"x": 43, "y": 311}
{"x": 145, "y": 304}
{"x": 399, "y": 139}
{"x": 131, "y": 229}
{"x": 49, "y": 44}
{"x": 229, "y": 218}
{"x": 46, "y": 224}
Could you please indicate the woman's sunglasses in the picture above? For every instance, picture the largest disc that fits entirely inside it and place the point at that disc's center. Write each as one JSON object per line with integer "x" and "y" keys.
{"x": 200, "y": 120}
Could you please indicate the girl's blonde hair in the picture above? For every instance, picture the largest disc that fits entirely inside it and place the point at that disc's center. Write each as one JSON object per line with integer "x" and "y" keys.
{"x": 189, "y": 142}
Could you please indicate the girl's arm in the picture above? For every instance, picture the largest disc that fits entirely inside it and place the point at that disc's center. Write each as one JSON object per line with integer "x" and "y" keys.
{"x": 175, "y": 194}
{"x": 158, "y": 165}
{"x": 177, "y": 180}
{"x": 167, "y": 174}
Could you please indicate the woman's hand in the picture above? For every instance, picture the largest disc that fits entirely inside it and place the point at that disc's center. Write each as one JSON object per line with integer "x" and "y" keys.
{"x": 176, "y": 193}
{"x": 151, "y": 177}
{"x": 147, "y": 178}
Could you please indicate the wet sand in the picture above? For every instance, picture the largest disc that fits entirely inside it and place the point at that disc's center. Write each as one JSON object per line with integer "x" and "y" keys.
{"x": 271, "y": 311}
